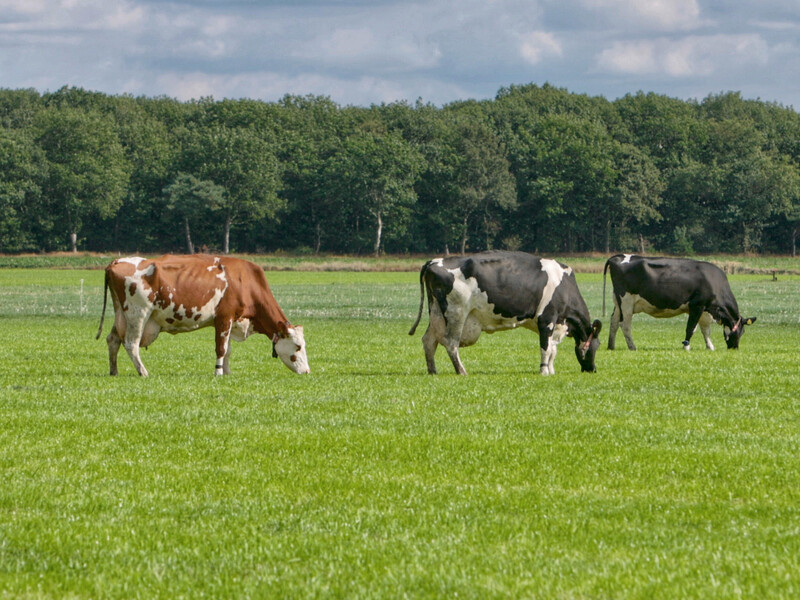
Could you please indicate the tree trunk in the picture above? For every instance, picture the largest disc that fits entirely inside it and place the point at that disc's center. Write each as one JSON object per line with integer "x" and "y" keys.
{"x": 189, "y": 245}
{"x": 378, "y": 232}
{"x": 464, "y": 238}
{"x": 641, "y": 244}
{"x": 73, "y": 240}
{"x": 795, "y": 231}
{"x": 608, "y": 236}
{"x": 226, "y": 241}
{"x": 317, "y": 238}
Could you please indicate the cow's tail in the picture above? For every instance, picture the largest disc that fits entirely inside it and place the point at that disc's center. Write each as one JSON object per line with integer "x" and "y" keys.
{"x": 103, "y": 315}
{"x": 605, "y": 269}
{"x": 421, "y": 296}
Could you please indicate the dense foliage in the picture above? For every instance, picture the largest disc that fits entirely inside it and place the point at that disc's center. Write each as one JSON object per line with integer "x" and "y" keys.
{"x": 537, "y": 168}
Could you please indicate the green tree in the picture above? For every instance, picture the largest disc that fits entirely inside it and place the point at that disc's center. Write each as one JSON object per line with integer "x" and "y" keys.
{"x": 635, "y": 198}
{"x": 312, "y": 128}
{"x": 151, "y": 150}
{"x": 188, "y": 198}
{"x": 21, "y": 171}
{"x": 243, "y": 163}
{"x": 376, "y": 173}
{"x": 87, "y": 173}
{"x": 481, "y": 183}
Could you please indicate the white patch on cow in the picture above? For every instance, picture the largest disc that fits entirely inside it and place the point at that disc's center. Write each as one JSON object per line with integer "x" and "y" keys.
{"x": 641, "y": 305}
{"x": 439, "y": 262}
{"x": 555, "y": 273}
{"x": 172, "y": 318}
{"x": 292, "y": 350}
{"x": 131, "y": 260}
{"x": 241, "y": 329}
{"x": 466, "y": 295}
{"x": 627, "y": 259}
{"x": 547, "y": 365}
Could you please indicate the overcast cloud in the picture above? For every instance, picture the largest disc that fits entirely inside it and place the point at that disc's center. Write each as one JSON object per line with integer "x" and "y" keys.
{"x": 362, "y": 52}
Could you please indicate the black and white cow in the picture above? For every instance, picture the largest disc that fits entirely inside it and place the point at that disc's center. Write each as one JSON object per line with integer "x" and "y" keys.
{"x": 667, "y": 287}
{"x": 495, "y": 291}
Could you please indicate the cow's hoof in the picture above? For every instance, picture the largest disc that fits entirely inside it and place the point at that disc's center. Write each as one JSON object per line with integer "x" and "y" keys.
{"x": 686, "y": 345}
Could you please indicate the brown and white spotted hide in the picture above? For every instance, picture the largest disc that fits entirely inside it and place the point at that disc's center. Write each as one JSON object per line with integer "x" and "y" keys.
{"x": 177, "y": 294}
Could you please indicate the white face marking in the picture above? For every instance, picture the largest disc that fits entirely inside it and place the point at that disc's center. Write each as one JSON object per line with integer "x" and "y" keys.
{"x": 292, "y": 350}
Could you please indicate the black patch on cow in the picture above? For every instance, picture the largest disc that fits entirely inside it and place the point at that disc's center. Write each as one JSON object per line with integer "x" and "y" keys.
{"x": 439, "y": 282}
{"x": 513, "y": 282}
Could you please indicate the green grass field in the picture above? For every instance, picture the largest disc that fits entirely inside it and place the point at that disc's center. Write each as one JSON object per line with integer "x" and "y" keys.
{"x": 666, "y": 474}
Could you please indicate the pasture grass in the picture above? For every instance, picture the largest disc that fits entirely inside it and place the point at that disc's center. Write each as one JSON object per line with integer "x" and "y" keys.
{"x": 666, "y": 474}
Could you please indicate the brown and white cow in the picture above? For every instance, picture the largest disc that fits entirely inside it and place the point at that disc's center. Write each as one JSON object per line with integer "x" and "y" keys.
{"x": 184, "y": 293}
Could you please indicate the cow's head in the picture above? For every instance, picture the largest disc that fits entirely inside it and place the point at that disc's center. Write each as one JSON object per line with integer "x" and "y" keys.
{"x": 735, "y": 333}
{"x": 290, "y": 346}
{"x": 586, "y": 350}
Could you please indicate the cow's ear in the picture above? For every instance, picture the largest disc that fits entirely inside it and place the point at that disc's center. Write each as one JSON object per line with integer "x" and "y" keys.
{"x": 275, "y": 339}
{"x": 283, "y": 328}
{"x": 750, "y": 320}
{"x": 596, "y": 327}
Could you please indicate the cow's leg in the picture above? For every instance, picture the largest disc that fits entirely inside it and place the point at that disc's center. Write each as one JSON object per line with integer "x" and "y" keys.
{"x": 452, "y": 350}
{"x": 691, "y": 324}
{"x": 548, "y": 347}
{"x": 626, "y": 318}
{"x": 452, "y": 340}
{"x": 226, "y": 366}
{"x": 613, "y": 325}
{"x": 222, "y": 337}
{"x": 114, "y": 342}
{"x": 429, "y": 344}
{"x": 132, "y": 341}
{"x": 705, "y": 328}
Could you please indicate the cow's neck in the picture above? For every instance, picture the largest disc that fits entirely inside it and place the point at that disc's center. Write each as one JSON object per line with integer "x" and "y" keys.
{"x": 727, "y": 316}
{"x": 580, "y": 328}
{"x": 270, "y": 319}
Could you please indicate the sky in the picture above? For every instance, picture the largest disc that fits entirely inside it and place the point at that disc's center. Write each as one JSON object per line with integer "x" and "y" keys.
{"x": 362, "y": 52}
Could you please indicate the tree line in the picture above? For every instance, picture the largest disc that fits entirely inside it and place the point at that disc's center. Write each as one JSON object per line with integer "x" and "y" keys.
{"x": 536, "y": 168}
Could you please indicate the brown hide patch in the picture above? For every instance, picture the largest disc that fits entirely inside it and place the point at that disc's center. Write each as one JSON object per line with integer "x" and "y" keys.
{"x": 132, "y": 289}
{"x": 170, "y": 321}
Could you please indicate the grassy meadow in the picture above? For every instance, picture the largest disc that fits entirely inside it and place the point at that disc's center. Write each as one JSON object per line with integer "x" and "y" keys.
{"x": 666, "y": 474}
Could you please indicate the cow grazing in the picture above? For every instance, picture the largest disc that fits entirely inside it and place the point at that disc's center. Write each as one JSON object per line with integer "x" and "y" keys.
{"x": 495, "y": 291}
{"x": 183, "y": 293}
{"x": 667, "y": 287}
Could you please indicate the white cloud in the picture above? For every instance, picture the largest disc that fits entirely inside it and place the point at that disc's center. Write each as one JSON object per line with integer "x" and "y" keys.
{"x": 539, "y": 44}
{"x": 662, "y": 15}
{"x": 361, "y": 90}
{"x": 394, "y": 49}
{"x": 688, "y": 57}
